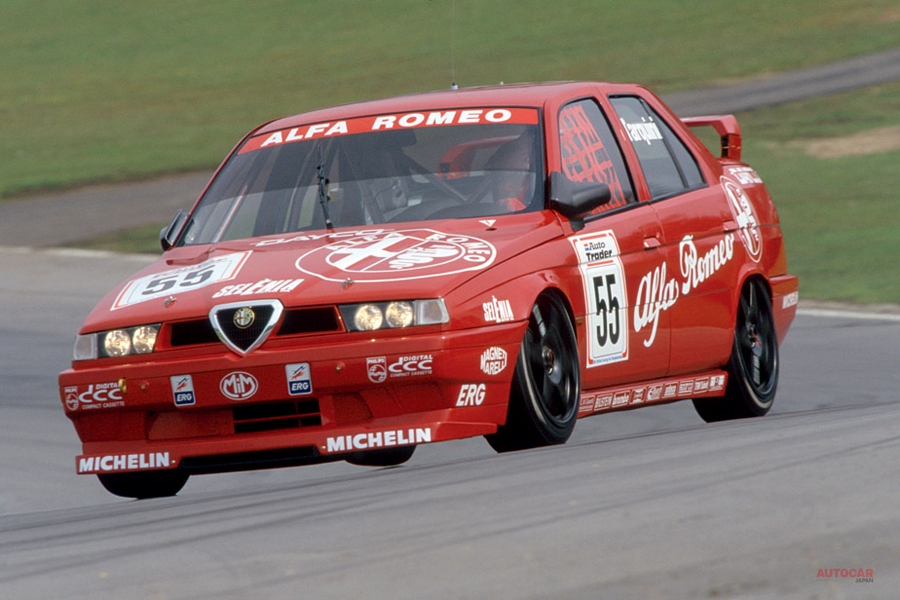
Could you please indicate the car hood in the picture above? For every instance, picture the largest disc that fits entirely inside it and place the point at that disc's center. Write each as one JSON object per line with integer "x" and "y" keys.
{"x": 416, "y": 260}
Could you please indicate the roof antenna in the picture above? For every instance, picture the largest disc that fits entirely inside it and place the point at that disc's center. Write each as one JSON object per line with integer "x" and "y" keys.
{"x": 453, "y": 85}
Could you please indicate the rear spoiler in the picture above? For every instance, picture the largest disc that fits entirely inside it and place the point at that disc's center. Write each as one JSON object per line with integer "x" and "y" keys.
{"x": 728, "y": 129}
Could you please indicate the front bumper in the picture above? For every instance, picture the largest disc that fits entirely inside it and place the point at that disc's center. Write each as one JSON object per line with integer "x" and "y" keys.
{"x": 289, "y": 403}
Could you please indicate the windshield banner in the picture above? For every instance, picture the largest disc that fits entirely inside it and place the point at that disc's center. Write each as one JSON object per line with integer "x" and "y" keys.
{"x": 413, "y": 120}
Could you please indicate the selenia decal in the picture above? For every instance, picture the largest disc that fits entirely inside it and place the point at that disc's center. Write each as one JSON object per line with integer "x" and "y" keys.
{"x": 397, "y": 256}
{"x": 605, "y": 297}
{"x": 743, "y": 212}
{"x": 184, "y": 279}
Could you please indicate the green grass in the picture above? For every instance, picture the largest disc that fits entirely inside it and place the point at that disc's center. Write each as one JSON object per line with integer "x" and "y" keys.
{"x": 841, "y": 216}
{"x": 101, "y": 90}
{"x": 143, "y": 240}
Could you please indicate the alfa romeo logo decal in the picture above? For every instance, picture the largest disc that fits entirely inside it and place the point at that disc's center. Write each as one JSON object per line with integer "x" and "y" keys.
{"x": 746, "y": 218}
{"x": 397, "y": 256}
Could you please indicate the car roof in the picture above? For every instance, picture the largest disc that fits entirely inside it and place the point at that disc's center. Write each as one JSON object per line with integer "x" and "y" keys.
{"x": 523, "y": 95}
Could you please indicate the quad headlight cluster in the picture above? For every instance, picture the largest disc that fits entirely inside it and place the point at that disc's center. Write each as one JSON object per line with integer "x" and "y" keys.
{"x": 117, "y": 342}
{"x": 397, "y": 314}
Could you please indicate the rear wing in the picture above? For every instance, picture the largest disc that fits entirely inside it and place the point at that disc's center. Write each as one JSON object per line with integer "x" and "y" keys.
{"x": 728, "y": 129}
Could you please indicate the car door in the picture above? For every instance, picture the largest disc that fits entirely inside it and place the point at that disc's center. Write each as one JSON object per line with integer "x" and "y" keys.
{"x": 698, "y": 230}
{"x": 626, "y": 337}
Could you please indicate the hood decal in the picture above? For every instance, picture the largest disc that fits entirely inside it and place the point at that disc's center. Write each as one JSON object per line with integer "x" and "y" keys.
{"x": 397, "y": 256}
{"x": 182, "y": 279}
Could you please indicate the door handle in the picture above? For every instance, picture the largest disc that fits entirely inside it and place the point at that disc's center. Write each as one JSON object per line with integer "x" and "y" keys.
{"x": 651, "y": 242}
{"x": 729, "y": 226}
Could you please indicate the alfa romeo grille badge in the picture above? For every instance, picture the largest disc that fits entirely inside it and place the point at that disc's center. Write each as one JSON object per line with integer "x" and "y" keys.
{"x": 244, "y": 317}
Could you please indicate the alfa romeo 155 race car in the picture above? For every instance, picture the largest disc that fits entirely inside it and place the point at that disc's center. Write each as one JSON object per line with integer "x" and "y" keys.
{"x": 497, "y": 262}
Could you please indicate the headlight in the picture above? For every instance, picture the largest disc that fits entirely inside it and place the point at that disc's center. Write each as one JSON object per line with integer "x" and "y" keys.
{"x": 367, "y": 317}
{"x": 399, "y": 314}
{"x": 394, "y": 315}
{"x": 144, "y": 339}
{"x": 116, "y": 342}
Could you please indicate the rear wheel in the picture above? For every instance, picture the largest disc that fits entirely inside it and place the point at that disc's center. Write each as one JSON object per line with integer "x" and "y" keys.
{"x": 149, "y": 484}
{"x": 383, "y": 457}
{"x": 543, "y": 403}
{"x": 753, "y": 366}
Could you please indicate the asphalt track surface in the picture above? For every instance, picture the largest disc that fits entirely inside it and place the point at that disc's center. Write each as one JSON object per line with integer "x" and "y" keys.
{"x": 646, "y": 504}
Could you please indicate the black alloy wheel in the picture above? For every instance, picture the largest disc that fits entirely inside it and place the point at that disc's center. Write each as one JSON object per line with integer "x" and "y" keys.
{"x": 753, "y": 365}
{"x": 543, "y": 404}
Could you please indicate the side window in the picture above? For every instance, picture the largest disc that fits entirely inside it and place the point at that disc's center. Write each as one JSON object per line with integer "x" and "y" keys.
{"x": 668, "y": 165}
{"x": 590, "y": 153}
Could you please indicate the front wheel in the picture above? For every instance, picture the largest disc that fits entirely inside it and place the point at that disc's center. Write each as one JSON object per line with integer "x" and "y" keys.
{"x": 148, "y": 484}
{"x": 543, "y": 403}
{"x": 753, "y": 366}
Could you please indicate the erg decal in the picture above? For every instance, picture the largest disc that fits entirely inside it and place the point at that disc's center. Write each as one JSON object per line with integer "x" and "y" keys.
{"x": 397, "y": 256}
{"x": 183, "y": 390}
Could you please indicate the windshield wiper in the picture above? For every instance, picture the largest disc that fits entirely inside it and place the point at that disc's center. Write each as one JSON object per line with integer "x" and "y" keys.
{"x": 323, "y": 191}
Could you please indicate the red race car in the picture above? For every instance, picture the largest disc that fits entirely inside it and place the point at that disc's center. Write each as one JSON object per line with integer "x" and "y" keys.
{"x": 502, "y": 261}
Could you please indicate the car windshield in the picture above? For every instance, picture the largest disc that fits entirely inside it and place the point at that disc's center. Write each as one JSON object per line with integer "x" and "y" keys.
{"x": 410, "y": 169}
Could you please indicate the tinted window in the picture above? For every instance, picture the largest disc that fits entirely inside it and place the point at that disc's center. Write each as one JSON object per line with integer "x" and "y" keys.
{"x": 668, "y": 166}
{"x": 271, "y": 185}
{"x": 590, "y": 153}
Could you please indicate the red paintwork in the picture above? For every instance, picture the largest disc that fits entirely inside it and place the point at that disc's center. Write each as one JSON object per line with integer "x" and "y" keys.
{"x": 124, "y": 412}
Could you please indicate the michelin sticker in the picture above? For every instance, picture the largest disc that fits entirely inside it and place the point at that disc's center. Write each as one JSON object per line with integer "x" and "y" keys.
{"x": 397, "y": 256}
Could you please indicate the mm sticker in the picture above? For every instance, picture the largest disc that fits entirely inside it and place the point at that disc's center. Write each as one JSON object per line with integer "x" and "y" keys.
{"x": 397, "y": 256}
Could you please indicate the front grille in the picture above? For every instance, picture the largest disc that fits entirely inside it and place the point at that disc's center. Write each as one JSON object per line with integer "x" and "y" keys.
{"x": 244, "y": 337}
{"x": 298, "y": 321}
{"x": 190, "y": 333}
{"x": 252, "y": 418}
{"x": 309, "y": 320}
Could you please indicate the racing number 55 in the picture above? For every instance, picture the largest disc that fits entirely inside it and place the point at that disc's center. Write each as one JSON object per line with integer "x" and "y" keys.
{"x": 607, "y": 342}
{"x": 184, "y": 280}
{"x": 607, "y": 309}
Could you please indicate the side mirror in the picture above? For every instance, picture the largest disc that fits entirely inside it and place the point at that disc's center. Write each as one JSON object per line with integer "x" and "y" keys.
{"x": 576, "y": 200}
{"x": 169, "y": 234}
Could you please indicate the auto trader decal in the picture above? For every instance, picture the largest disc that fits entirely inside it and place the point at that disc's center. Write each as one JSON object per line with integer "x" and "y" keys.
{"x": 397, "y": 256}
{"x": 605, "y": 297}
{"x": 183, "y": 279}
{"x": 746, "y": 218}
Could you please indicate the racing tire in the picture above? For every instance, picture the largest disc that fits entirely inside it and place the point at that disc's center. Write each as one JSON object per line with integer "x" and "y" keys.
{"x": 543, "y": 403}
{"x": 149, "y": 484}
{"x": 753, "y": 365}
{"x": 383, "y": 457}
